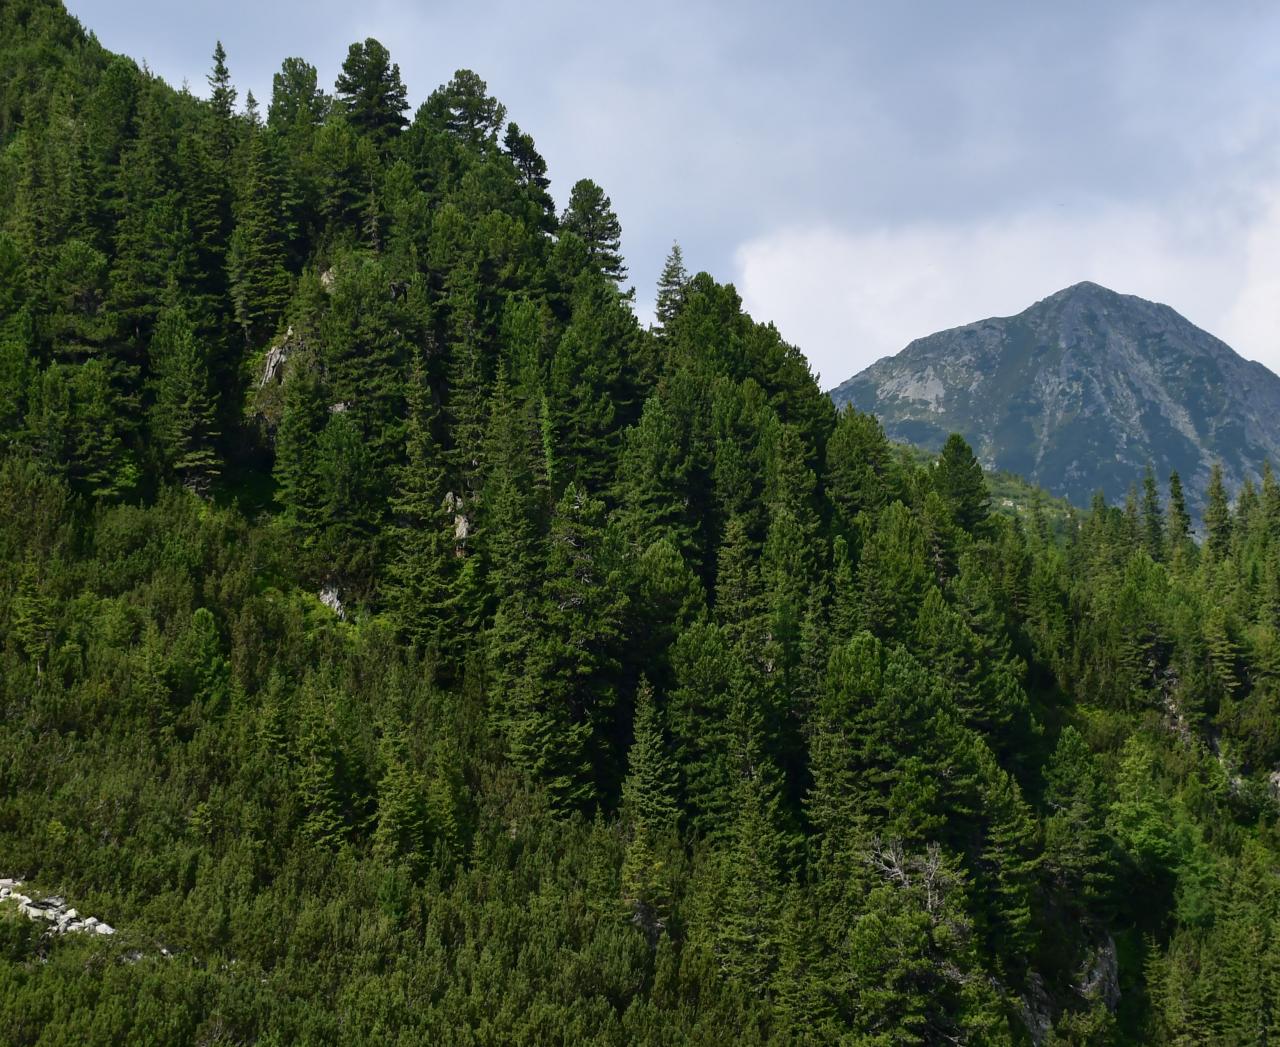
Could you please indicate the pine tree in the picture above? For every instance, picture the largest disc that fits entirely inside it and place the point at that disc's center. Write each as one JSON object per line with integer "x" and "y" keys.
{"x": 592, "y": 396}
{"x": 298, "y": 106}
{"x": 747, "y": 935}
{"x": 1005, "y": 861}
{"x": 590, "y": 216}
{"x": 893, "y": 573}
{"x": 464, "y": 109}
{"x": 577, "y": 653}
{"x": 184, "y": 415}
{"x": 698, "y": 712}
{"x": 1271, "y": 504}
{"x": 861, "y": 475}
{"x": 654, "y": 471}
{"x": 371, "y": 93}
{"x": 320, "y": 783}
{"x": 297, "y": 457}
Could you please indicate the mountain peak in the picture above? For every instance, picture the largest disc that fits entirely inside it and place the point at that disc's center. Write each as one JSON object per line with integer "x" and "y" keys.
{"x": 1079, "y": 392}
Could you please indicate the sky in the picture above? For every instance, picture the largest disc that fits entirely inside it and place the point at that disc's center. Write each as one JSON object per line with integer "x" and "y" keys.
{"x": 864, "y": 173}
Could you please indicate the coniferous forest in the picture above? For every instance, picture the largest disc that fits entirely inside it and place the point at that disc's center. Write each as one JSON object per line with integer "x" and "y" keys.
{"x": 401, "y": 643}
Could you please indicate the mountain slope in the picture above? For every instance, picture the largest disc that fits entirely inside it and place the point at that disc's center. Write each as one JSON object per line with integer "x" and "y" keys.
{"x": 1079, "y": 392}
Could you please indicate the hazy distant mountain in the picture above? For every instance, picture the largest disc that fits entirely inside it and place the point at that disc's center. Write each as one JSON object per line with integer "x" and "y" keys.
{"x": 1079, "y": 392}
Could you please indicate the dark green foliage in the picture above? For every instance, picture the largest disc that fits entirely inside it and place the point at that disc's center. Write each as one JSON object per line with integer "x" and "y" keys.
{"x": 959, "y": 479}
{"x": 652, "y": 815}
{"x": 298, "y": 106}
{"x": 672, "y": 282}
{"x": 370, "y": 92}
{"x": 258, "y": 251}
{"x": 423, "y": 652}
{"x": 590, "y": 217}
{"x": 184, "y": 415}
{"x": 1217, "y": 516}
{"x": 464, "y": 109}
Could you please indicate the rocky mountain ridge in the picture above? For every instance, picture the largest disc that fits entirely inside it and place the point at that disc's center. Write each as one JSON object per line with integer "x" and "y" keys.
{"x": 1079, "y": 392}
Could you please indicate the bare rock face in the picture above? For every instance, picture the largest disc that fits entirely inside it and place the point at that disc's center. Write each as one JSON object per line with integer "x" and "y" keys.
{"x": 330, "y": 598}
{"x": 277, "y": 357}
{"x": 1100, "y": 977}
{"x": 1078, "y": 392}
{"x": 266, "y": 402}
{"x": 1037, "y": 1009}
{"x": 461, "y": 522}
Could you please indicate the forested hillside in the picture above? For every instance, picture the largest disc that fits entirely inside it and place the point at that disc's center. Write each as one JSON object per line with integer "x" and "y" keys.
{"x": 402, "y": 644}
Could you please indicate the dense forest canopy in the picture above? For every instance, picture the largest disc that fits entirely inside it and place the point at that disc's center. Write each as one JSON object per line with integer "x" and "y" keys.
{"x": 403, "y": 644}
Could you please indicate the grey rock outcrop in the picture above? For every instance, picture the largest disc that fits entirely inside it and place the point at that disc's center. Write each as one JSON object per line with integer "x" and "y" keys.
{"x": 1099, "y": 979}
{"x": 277, "y": 356}
{"x": 330, "y": 598}
{"x": 52, "y": 910}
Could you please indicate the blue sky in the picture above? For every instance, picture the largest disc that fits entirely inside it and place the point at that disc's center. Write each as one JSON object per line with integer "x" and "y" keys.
{"x": 864, "y": 173}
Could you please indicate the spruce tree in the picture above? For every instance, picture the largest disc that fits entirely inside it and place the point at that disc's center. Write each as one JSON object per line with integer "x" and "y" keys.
{"x": 1217, "y": 516}
{"x": 425, "y": 534}
{"x": 222, "y": 94}
{"x": 958, "y": 478}
{"x": 1179, "y": 520}
{"x": 32, "y": 622}
{"x": 184, "y": 415}
{"x": 257, "y": 258}
{"x": 650, "y": 812}
{"x": 671, "y": 288}
{"x": 1153, "y": 527}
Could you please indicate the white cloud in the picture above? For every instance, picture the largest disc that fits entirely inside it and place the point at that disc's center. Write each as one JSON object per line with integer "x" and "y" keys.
{"x": 848, "y": 298}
